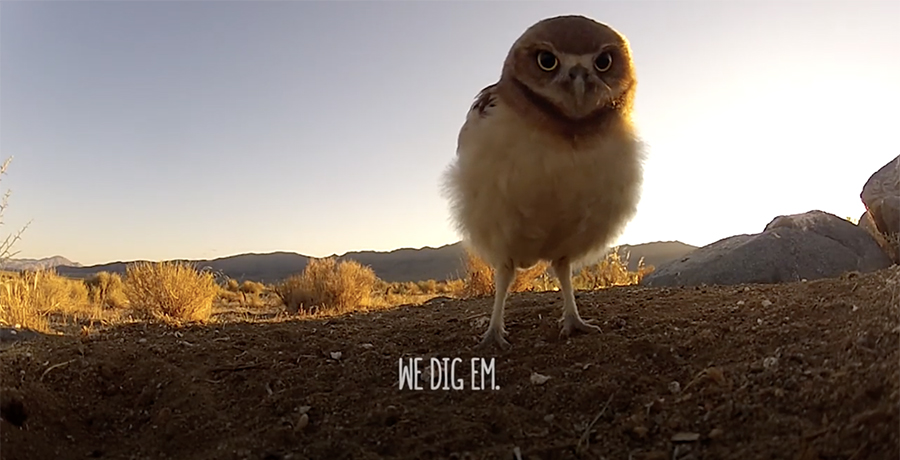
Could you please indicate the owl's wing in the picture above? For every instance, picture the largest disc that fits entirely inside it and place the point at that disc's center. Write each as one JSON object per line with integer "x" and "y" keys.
{"x": 480, "y": 109}
{"x": 485, "y": 100}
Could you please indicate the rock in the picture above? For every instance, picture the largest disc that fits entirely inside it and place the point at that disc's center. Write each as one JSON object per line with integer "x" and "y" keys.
{"x": 868, "y": 224}
{"x": 808, "y": 246}
{"x": 881, "y": 196}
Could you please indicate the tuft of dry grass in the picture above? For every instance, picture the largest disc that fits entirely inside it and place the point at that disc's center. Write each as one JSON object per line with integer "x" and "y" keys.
{"x": 227, "y": 295}
{"x": 232, "y": 285}
{"x": 609, "y": 272}
{"x": 252, "y": 287}
{"x": 107, "y": 290}
{"x": 328, "y": 286}
{"x": 31, "y": 298}
{"x": 479, "y": 279}
{"x": 24, "y": 302}
{"x": 171, "y": 291}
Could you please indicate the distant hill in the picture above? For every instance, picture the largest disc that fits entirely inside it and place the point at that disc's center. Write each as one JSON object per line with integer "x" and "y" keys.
{"x": 655, "y": 253}
{"x": 405, "y": 264}
{"x": 37, "y": 264}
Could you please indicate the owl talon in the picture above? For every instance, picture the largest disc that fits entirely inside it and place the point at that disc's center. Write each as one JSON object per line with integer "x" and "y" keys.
{"x": 493, "y": 337}
{"x": 573, "y": 324}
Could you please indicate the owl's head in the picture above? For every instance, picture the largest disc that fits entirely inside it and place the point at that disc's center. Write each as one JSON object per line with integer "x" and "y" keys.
{"x": 573, "y": 67}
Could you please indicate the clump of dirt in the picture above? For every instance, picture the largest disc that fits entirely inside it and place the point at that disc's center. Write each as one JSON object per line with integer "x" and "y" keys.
{"x": 795, "y": 371}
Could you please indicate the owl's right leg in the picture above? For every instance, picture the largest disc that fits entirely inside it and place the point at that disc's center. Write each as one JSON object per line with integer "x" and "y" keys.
{"x": 503, "y": 278}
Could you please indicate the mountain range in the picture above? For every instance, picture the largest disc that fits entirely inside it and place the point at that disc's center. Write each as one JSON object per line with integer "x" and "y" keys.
{"x": 37, "y": 264}
{"x": 407, "y": 264}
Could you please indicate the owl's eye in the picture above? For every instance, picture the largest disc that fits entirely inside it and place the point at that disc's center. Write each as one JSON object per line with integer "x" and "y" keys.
{"x": 603, "y": 62}
{"x": 547, "y": 61}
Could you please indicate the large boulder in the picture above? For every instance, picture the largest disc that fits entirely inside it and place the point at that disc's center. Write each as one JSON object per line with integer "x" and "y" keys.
{"x": 881, "y": 196}
{"x": 808, "y": 246}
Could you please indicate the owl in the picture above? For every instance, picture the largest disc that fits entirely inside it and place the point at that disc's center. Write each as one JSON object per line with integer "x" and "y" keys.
{"x": 548, "y": 164}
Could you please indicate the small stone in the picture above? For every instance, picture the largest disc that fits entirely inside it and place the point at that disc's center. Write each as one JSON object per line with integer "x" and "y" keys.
{"x": 674, "y": 387}
{"x": 302, "y": 423}
{"x": 367, "y": 345}
{"x": 142, "y": 340}
{"x": 770, "y": 362}
{"x": 685, "y": 437}
{"x": 740, "y": 303}
{"x": 716, "y": 375}
{"x": 549, "y": 418}
{"x": 766, "y": 303}
{"x": 304, "y": 409}
{"x": 716, "y": 433}
{"x": 539, "y": 379}
{"x": 336, "y": 355}
{"x": 641, "y": 431}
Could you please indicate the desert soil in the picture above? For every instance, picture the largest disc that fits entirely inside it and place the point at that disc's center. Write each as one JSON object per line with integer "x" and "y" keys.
{"x": 796, "y": 371}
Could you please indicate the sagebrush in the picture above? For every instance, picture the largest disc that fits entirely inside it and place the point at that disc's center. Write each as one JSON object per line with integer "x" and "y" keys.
{"x": 107, "y": 290}
{"x": 328, "y": 285}
{"x": 172, "y": 291}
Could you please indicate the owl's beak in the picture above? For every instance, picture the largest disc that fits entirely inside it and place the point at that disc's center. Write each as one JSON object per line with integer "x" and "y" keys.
{"x": 578, "y": 75}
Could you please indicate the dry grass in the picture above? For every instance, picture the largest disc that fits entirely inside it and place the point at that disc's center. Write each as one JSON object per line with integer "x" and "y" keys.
{"x": 171, "y": 291}
{"x": 328, "y": 286}
{"x": 252, "y": 287}
{"x": 107, "y": 290}
{"x": 232, "y": 285}
{"x": 429, "y": 287}
{"x": 226, "y": 295}
{"x": 480, "y": 277}
{"x": 24, "y": 302}
{"x": 395, "y": 294}
{"x": 31, "y": 299}
{"x": 246, "y": 294}
{"x": 611, "y": 271}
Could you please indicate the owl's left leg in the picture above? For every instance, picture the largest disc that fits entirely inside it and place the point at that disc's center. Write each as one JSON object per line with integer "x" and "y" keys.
{"x": 504, "y": 274}
{"x": 571, "y": 320}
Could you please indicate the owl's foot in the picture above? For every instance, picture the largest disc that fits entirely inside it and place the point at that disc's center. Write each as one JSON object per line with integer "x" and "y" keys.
{"x": 494, "y": 336}
{"x": 574, "y": 323}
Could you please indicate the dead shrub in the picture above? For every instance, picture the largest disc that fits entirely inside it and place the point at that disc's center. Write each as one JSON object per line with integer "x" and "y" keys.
{"x": 171, "y": 291}
{"x": 609, "y": 272}
{"x": 30, "y": 298}
{"x": 107, "y": 290}
{"x": 326, "y": 285}
{"x": 428, "y": 286}
{"x": 252, "y": 287}
{"x": 227, "y": 295}
{"x": 479, "y": 279}
{"x": 26, "y": 301}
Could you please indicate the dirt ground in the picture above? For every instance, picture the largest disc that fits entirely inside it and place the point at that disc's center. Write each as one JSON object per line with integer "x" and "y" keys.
{"x": 797, "y": 371}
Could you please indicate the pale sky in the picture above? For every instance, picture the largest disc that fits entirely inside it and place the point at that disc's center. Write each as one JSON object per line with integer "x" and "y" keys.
{"x": 160, "y": 130}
